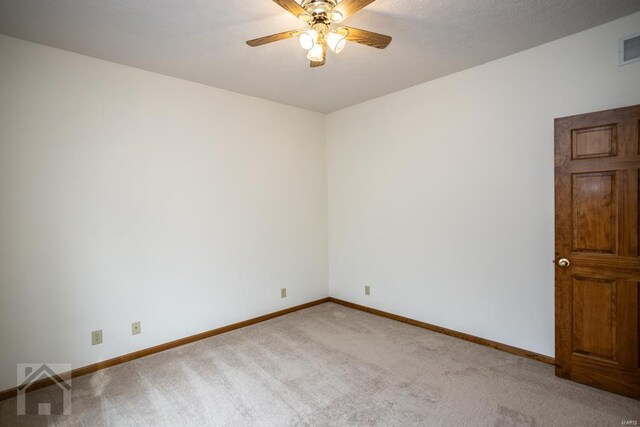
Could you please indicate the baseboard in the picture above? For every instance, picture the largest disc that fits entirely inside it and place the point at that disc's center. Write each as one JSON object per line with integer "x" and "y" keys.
{"x": 8, "y": 394}
{"x": 467, "y": 337}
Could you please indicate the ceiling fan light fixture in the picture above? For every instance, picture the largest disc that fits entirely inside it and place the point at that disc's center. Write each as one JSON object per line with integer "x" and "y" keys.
{"x": 308, "y": 39}
{"x": 337, "y": 40}
{"x": 316, "y": 54}
{"x": 320, "y": 16}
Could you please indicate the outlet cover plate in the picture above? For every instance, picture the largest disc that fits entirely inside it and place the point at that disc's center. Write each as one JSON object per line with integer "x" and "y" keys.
{"x": 283, "y": 293}
{"x": 96, "y": 337}
{"x": 367, "y": 290}
{"x": 135, "y": 328}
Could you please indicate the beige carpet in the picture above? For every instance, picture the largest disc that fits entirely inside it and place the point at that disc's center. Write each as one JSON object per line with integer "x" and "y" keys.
{"x": 331, "y": 365}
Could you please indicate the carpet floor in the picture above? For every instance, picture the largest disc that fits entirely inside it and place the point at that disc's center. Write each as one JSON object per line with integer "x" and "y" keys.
{"x": 330, "y": 365}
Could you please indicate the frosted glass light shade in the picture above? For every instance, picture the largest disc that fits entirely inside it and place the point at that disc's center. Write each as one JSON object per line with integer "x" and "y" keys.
{"x": 308, "y": 39}
{"x": 316, "y": 54}
{"x": 336, "y": 16}
{"x": 337, "y": 40}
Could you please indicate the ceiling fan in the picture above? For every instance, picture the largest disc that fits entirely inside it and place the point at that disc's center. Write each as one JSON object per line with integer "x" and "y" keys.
{"x": 319, "y": 15}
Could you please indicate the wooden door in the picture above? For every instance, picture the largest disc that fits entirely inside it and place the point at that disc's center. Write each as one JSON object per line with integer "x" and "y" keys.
{"x": 597, "y": 157}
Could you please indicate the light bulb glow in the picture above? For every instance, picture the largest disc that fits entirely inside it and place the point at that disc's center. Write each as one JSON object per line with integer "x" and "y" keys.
{"x": 337, "y": 40}
{"x": 308, "y": 39}
{"x": 316, "y": 54}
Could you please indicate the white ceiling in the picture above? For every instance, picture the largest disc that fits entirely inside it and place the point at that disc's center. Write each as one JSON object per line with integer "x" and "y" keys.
{"x": 204, "y": 40}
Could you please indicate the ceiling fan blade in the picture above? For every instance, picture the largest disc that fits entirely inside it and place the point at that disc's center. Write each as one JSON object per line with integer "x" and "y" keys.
{"x": 273, "y": 38}
{"x": 292, "y": 7}
{"x": 368, "y": 38}
{"x": 349, "y": 7}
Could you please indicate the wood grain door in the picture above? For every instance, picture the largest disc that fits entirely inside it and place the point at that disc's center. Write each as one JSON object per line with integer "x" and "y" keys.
{"x": 597, "y": 157}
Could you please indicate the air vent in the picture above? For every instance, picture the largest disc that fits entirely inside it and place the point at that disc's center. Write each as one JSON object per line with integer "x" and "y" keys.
{"x": 629, "y": 50}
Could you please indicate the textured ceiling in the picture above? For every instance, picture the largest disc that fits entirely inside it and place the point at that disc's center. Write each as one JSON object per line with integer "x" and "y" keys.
{"x": 203, "y": 40}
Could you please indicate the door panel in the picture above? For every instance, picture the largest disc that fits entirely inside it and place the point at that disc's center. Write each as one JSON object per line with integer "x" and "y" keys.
{"x": 594, "y": 317}
{"x": 595, "y": 212}
{"x": 595, "y": 142}
{"x": 597, "y": 183}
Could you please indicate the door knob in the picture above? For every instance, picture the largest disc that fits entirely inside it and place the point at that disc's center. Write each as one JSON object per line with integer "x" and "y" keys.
{"x": 564, "y": 263}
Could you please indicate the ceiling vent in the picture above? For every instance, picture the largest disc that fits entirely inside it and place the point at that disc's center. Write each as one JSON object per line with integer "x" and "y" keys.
{"x": 629, "y": 49}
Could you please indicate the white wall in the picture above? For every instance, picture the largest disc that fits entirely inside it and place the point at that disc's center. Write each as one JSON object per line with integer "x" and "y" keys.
{"x": 127, "y": 195}
{"x": 441, "y": 195}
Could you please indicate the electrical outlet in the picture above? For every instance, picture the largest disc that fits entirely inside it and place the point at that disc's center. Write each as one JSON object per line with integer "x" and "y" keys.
{"x": 283, "y": 293}
{"x": 367, "y": 290}
{"x": 135, "y": 328}
{"x": 96, "y": 337}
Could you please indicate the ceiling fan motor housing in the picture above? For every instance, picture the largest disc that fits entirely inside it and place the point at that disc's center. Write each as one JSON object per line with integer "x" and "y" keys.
{"x": 320, "y": 10}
